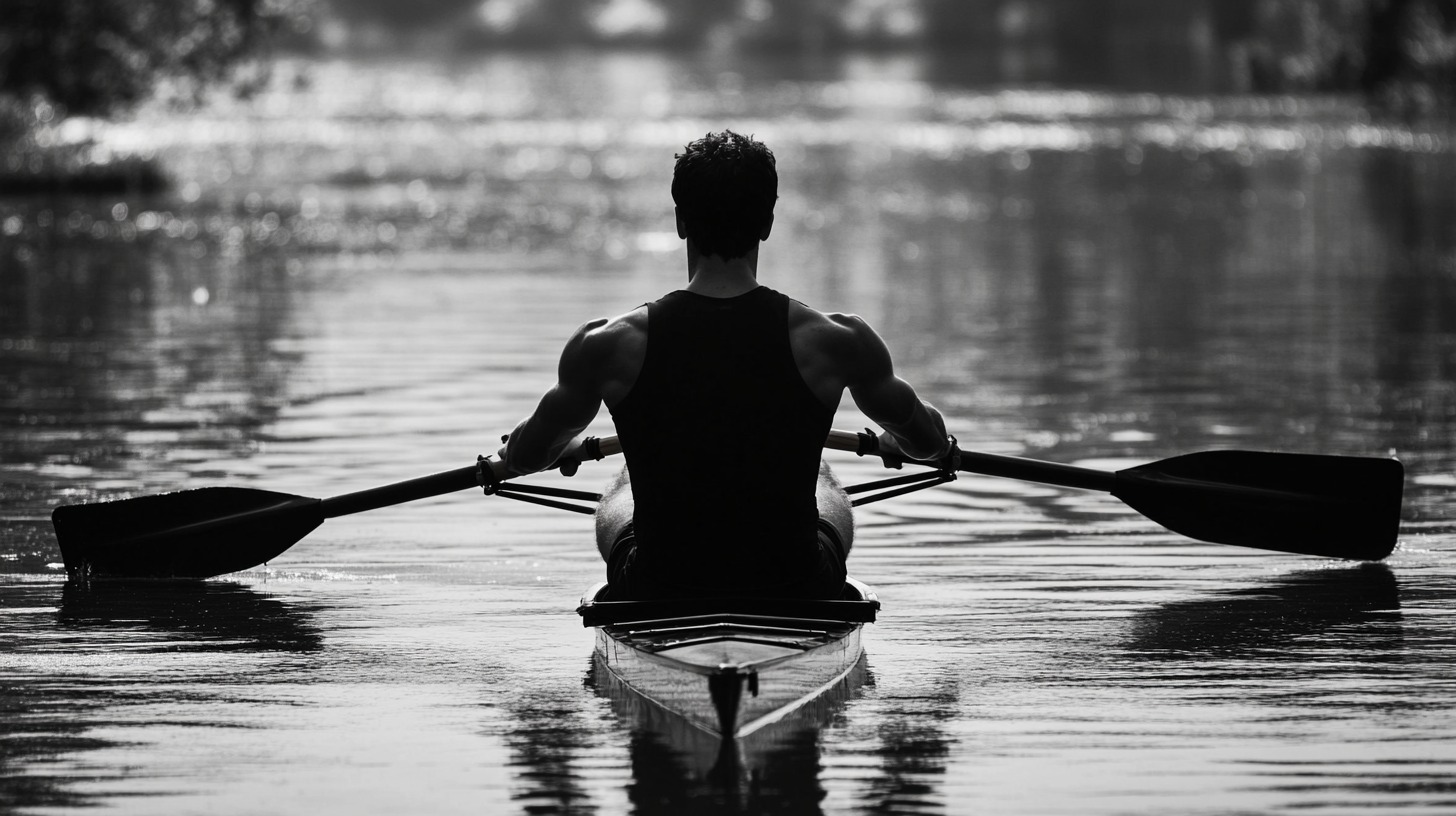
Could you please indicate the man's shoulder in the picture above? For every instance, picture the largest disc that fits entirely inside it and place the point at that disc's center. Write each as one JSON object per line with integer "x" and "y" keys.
{"x": 834, "y": 350}
{"x": 608, "y": 329}
{"x": 828, "y": 326}
{"x": 605, "y": 338}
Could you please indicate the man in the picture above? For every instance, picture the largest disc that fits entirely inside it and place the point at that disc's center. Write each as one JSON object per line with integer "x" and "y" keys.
{"x": 722, "y": 394}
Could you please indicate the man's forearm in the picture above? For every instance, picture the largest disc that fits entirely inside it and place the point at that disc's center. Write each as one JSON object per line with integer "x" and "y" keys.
{"x": 532, "y": 448}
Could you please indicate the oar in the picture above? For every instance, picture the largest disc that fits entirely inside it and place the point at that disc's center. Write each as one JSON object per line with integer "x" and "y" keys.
{"x": 213, "y": 530}
{"x": 1334, "y": 506}
{"x": 216, "y": 530}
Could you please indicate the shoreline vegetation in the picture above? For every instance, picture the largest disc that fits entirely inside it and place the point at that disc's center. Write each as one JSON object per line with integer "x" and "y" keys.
{"x": 103, "y": 58}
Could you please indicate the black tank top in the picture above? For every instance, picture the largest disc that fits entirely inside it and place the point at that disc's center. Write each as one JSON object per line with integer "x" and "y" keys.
{"x": 723, "y": 440}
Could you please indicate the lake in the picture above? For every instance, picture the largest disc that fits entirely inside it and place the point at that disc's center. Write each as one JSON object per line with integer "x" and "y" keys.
{"x": 366, "y": 274}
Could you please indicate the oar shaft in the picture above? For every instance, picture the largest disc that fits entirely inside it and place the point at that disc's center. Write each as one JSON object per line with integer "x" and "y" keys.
{"x": 424, "y": 487}
{"x": 435, "y": 484}
{"x": 995, "y": 464}
{"x": 449, "y": 481}
{"x": 1032, "y": 470}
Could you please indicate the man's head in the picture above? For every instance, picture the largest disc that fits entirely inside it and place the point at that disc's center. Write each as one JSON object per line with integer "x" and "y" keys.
{"x": 725, "y": 186}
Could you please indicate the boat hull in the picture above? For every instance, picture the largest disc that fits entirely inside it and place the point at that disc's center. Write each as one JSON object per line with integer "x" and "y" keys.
{"x": 734, "y": 666}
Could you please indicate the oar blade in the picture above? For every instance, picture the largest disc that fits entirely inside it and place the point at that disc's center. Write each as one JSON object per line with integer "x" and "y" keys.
{"x": 1332, "y": 506}
{"x": 188, "y": 534}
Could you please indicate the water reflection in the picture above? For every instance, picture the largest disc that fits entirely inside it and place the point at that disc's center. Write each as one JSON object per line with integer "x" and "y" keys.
{"x": 1412, "y": 208}
{"x": 134, "y": 360}
{"x": 1088, "y": 295}
{"x": 668, "y": 780}
{"x": 677, "y": 768}
{"x": 36, "y": 731}
{"x": 206, "y": 616}
{"x": 548, "y": 739}
{"x": 1272, "y": 620}
{"x": 78, "y": 662}
{"x": 915, "y": 750}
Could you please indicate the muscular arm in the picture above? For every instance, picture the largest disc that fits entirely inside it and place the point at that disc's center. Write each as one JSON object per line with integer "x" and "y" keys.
{"x": 914, "y": 425}
{"x": 565, "y": 410}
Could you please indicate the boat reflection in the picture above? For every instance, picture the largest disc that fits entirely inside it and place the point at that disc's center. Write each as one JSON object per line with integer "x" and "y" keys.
{"x": 676, "y": 765}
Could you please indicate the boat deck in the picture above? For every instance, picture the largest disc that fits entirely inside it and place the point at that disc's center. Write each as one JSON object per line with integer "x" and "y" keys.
{"x": 730, "y": 666}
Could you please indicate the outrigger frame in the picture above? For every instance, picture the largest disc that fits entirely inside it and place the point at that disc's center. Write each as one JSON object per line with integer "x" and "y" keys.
{"x": 584, "y": 501}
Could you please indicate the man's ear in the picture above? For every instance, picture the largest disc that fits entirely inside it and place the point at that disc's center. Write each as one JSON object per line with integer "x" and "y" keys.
{"x": 682, "y": 229}
{"x": 767, "y": 228}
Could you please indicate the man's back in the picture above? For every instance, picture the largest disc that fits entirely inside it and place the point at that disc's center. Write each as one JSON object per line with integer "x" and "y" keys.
{"x": 718, "y": 369}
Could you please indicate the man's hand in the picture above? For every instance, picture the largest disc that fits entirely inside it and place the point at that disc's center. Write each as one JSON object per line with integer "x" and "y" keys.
{"x": 504, "y": 455}
{"x": 888, "y": 448}
{"x": 568, "y": 462}
{"x": 571, "y": 458}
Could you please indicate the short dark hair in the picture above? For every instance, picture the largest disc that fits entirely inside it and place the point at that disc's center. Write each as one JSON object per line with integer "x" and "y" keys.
{"x": 725, "y": 186}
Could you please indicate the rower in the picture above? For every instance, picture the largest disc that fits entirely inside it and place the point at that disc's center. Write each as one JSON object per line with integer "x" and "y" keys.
{"x": 724, "y": 358}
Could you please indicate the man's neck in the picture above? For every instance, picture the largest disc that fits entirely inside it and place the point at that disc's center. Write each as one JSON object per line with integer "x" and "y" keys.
{"x": 715, "y": 276}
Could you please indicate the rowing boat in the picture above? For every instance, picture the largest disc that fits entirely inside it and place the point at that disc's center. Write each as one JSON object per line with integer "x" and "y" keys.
{"x": 724, "y": 671}
{"x": 729, "y": 667}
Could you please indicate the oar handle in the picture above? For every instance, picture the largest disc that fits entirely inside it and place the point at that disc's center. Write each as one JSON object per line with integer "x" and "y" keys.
{"x": 595, "y": 448}
{"x": 993, "y": 464}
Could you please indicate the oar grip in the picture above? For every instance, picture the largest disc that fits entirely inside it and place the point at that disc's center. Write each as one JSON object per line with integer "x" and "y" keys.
{"x": 849, "y": 441}
{"x": 600, "y": 447}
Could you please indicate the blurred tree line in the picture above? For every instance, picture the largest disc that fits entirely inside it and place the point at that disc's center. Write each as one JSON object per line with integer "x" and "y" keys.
{"x": 1402, "y": 53}
{"x": 98, "y": 57}
{"x": 95, "y": 57}
{"x": 60, "y": 58}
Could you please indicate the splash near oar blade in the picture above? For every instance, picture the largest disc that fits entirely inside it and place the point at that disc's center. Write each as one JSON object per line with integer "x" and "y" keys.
{"x": 1333, "y": 506}
{"x": 188, "y": 534}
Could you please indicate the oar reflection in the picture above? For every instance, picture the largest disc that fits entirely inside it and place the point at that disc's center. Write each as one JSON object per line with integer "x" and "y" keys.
{"x": 1270, "y": 619}
{"x": 209, "y": 616}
